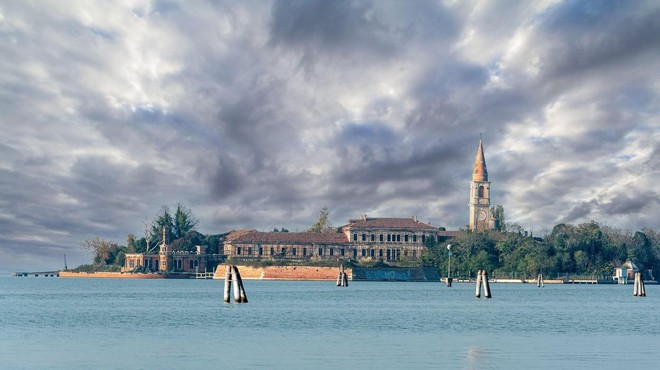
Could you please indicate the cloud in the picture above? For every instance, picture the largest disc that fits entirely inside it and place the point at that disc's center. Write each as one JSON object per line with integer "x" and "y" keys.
{"x": 257, "y": 114}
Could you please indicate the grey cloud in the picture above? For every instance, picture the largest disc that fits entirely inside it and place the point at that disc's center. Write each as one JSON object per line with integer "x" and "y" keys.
{"x": 582, "y": 37}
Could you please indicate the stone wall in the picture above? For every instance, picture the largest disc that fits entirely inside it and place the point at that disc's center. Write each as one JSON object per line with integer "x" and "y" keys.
{"x": 284, "y": 272}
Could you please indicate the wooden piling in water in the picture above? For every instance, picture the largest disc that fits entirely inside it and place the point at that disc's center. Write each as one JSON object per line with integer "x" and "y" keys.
{"x": 242, "y": 297}
{"x": 642, "y": 287}
{"x": 539, "y": 281}
{"x": 342, "y": 279}
{"x": 227, "y": 290}
{"x": 449, "y": 281}
{"x": 477, "y": 292}
{"x": 639, "y": 290}
{"x": 484, "y": 277}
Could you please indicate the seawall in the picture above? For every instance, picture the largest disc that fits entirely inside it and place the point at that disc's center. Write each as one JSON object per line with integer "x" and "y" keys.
{"x": 284, "y": 272}
{"x": 115, "y": 275}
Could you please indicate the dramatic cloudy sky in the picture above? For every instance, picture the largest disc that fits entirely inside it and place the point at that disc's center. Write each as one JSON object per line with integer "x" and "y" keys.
{"x": 255, "y": 114}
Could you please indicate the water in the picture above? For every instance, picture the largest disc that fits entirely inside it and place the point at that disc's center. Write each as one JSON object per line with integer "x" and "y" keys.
{"x": 58, "y": 323}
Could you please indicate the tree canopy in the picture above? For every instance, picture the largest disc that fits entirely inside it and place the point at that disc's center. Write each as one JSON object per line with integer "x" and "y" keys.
{"x": 322, "y": 225}
{"x": 584, "y": 249}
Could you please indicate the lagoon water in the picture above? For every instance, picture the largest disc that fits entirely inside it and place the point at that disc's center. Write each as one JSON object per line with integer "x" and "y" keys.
{"x": 58, "y": 323}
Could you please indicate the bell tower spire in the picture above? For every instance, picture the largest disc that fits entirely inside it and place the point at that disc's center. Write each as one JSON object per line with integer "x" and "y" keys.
{"x": 480, "y": 172}
{"x": 480, "y": 193}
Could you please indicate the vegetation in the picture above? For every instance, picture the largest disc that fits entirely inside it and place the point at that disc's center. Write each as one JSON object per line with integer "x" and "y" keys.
{"x": 179, "y": 231}
{"x": 584, "y": 249}
{"x": 322, "y": 225}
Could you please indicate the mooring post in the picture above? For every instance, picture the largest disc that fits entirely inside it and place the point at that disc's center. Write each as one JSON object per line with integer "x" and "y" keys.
{"x": 241, "y": 289}
{"x": 477, "y": 292}
{"x": 227, "y": 290}
{"x": 237, "y": 287}
{"x": 484, "y": 276}
{"x": 639, "y": 290}
{"x": 340, "y": 278}
{"x": 449, "y": 280}
{"x": 642, "y": 288}
{"x": 345, "y": 279}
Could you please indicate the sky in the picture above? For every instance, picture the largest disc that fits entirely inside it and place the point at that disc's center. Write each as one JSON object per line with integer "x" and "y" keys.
{"x": 256, "y": 114}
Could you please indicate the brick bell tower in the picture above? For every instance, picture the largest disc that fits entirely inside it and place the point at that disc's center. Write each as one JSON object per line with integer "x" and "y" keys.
{"x": 480, "y": 194}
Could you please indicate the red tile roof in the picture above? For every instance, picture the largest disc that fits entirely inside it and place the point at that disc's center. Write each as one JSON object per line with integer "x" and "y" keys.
{"x": 389, "y": 223}
{"x": 253, "y": 236}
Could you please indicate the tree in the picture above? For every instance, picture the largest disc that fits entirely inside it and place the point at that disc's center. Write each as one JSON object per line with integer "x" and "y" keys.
{"x": 323, "y": 224}
{"x": 164, "y": 220}
{"x": 184, "y": 222}
{"x": 498, "y": 215}
{"x": 104, "y": 252}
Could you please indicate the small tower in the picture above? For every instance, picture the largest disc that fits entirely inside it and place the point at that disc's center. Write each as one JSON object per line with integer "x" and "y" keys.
{"x": 480, "y": 194}
{"x": 164, "y": 254}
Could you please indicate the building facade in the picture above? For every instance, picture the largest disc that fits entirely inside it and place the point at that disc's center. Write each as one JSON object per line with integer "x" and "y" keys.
{"x": 170, "y": 261}
{"x": 387, "y": 239}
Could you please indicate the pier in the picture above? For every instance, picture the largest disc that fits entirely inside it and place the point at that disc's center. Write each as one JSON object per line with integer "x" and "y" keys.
{"x": 37, "y": 274}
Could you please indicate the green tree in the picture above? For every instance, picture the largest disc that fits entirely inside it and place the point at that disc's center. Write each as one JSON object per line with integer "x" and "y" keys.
{"x": 322, "y": 225}
{"x": 184, "y": 222}
{"x": 105, "y": 252}
{"x": 164, "y": 220}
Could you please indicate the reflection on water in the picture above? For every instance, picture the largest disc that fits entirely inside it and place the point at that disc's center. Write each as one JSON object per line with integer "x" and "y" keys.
{"x": 154, "y": 324}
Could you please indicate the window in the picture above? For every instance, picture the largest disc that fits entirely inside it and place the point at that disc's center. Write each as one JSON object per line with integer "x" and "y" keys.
{"x": 272, "y": 251}
{"x": 354, "y": 237}
{"x": 364, "y": 237}
{"x": 261, "y": 251}
{"x": 320, "y": 251}
{"x": 482, "y": 191}
{"x": 405, "y": 238}
{"x": 373, "y": 237}
{"x": 284, "y": 251}
{"x": 414, "y": 238}
{"x": 249, "y": 251}
{"x": 389, "y": 237}
{"x": 398, "y": 237}
{"x": 332, "y": 251}
{"x": 355, "y": 253}
{"x": 380, "y": 253}
{"x": 238, "y": 250}
{"x": 196, "y": 263}
{"x": 191, "y": 264}
{"x": 342, "y": 252}
{"x": 304, "y": 252}
{"x": 293, "y": 251}
{"x": 381, "y": 237}
{"x": 423, "y": 238}
{"x": 371, "y": 252}
{"x": 364, "y": 253}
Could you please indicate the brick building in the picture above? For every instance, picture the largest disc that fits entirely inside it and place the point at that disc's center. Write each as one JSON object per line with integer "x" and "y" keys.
{"x": 389, "y": 239}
